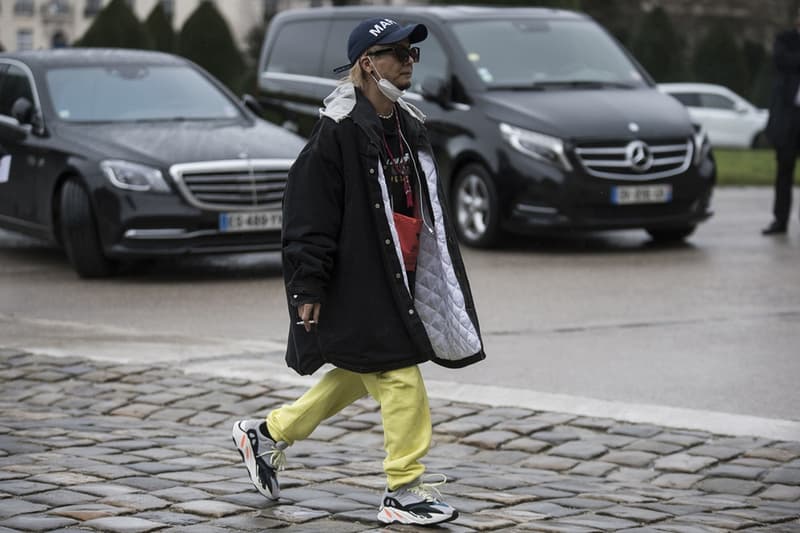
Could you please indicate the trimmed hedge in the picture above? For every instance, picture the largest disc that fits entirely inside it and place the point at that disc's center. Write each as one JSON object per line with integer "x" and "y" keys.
{"x": 116, "y": 26}
{"x": 206, "y": 39}
{"x": 160, "y": 29}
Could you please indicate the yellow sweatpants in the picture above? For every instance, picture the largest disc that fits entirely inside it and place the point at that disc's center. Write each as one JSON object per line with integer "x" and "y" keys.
{"x": 404, "y": 411}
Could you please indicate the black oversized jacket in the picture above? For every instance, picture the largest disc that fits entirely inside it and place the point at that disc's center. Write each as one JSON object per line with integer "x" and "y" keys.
{"x": 340, "y": 249}
{"x": 784, "y": 117}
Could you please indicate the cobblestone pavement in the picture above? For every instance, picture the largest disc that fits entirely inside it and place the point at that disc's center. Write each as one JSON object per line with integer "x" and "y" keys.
{"x": 100, "y": 446}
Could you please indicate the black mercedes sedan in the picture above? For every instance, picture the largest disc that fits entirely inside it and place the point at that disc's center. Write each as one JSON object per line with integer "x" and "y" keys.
{"x": 121, "y": 154}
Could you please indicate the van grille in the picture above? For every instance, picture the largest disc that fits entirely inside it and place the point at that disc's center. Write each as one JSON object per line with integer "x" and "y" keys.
{"x": 238, "y": 185}
{"x": 636, "y": 160}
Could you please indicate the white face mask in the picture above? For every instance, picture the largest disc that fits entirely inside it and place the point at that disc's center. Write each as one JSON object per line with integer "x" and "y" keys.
{"x": 387, "y": 88}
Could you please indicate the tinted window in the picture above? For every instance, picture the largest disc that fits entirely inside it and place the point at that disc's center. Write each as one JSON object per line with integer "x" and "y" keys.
{"x": 521, "y": 52}
{"x": 15, "y": 85}
{"x": 716, "y": 101}
{"x": 298, "y": 50}
{"x": 335, "y": 52}
{"x": 135, "y": 92}
{"x": 432, "y": 62}
{"x": 688, "y": 99}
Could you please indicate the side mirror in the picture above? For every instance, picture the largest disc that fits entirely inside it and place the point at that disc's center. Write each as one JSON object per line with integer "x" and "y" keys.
{"x": 11, "y": 129}
{"x": 251, "y": 103}
{"x": 22, "y": 110}
{"x": 436, "y": 90}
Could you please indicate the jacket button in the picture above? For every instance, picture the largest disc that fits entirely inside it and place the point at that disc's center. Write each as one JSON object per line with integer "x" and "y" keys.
{"x": 372, "y": 171}
{"x": 398, "y": 275}
{"x": 377, "y": 206}
{"x": 410, "y": 311}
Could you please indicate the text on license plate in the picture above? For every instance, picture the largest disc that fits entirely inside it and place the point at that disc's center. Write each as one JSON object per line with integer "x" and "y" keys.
{"x": 250, "y": 221}
{"x": 641, "y": 194}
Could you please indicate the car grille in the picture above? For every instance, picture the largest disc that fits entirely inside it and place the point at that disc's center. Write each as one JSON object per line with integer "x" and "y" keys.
{"x": 239, "y": 185}
{"x": 636, "y": 160}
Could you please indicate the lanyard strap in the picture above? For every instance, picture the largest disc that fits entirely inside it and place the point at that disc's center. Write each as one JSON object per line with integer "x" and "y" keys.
{"x": 396, "y": 164}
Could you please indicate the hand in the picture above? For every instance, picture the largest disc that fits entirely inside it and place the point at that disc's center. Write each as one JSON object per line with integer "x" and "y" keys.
{"x": 309, "y": 314}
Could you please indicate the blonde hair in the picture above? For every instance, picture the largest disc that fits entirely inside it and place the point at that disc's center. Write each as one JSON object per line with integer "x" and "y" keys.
{"x": 357, "y": 75}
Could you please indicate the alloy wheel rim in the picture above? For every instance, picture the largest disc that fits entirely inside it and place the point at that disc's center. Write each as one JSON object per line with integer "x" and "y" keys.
{"x": 472, "y": 207}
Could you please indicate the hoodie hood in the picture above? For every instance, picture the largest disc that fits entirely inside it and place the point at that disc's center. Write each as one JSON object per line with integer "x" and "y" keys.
{"x": 595, "y": 114}
{"x": 340, "y": 103}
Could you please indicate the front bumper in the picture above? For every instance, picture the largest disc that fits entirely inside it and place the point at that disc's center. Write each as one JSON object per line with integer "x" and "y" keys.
{"x": 139, "y": 225}
{"x": 527, "y": 219}
{"x": 546, "y": 199}
{"x": 180, "y": 241}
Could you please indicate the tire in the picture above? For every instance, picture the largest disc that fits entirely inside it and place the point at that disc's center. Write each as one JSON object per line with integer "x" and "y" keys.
{"x": 79, "y": 233}
{"x": 675, "y": 234}
{"x": 475, "y": 207}
{"x": 760, "y": 141}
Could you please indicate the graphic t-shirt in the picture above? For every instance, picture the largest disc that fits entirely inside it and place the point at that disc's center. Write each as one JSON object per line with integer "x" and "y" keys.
{"x": 397, "y": 168}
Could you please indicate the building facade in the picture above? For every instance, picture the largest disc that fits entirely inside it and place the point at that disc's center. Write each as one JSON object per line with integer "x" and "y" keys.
{"x": 40, "y": 24}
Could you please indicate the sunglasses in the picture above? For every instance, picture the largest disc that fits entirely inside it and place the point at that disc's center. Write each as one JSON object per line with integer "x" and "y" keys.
{"x": 402, "y": 53}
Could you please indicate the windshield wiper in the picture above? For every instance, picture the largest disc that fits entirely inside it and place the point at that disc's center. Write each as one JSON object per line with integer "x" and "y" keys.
{"x": 517, "y": 87}
{"x": 587, "y": 84}
{"x": 601, "y": 84}
{"x": 162, "y": 119}
{"x": 559, "y": 84}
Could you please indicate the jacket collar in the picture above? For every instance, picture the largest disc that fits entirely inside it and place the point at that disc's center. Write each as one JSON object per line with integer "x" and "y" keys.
{"x": 349, "y": 101}
{"x": 341, "y": 102}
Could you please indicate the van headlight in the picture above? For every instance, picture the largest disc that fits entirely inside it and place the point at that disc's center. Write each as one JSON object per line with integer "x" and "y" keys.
{"x": 701, "y": 144}
{"x": 133, "y": 176}
{"x": 537, "y": 145}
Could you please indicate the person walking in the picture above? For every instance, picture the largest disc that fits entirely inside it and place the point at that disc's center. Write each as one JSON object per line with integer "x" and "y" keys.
{"x": 374, "y": 277}
{"x": 783, "y": 127}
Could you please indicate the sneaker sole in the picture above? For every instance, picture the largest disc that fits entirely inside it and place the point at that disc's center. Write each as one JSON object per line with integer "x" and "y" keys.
{"x": 389, "y": 515}
{"x": 242, "y": 443}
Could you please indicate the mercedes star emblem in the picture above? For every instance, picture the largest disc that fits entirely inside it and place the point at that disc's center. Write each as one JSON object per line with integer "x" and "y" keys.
{"x": 639, "y": 156}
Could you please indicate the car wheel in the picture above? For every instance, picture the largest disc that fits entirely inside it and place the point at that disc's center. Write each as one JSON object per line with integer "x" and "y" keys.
{"x": 760, "y": 141}
{"x": 79, "y": 233}
{"x": 675, "y": 234}
{"x": 476, "y": 207}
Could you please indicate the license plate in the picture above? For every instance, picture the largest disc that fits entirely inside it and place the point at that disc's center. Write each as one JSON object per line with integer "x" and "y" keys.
{"x": 250, "y": 221}
{"x": 641, "y": 194}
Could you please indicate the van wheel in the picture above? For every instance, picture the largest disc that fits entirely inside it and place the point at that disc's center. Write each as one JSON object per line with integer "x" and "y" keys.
{"x": 476, "y": 207}
{"x": 79, "y": 233}
{"x": 675, "y": 234}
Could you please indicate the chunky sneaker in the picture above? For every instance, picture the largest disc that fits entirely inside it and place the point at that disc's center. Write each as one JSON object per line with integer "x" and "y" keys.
{"x": 261, "y": 455}
{"x": 416, "y": 503}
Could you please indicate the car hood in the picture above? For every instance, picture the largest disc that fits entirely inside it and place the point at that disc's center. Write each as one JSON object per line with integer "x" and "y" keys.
{"x": 589, "y": 115}
{"x": 167, "y": 143}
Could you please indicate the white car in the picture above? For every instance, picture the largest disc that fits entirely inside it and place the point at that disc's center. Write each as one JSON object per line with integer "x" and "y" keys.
{"x": 729, "y": 120}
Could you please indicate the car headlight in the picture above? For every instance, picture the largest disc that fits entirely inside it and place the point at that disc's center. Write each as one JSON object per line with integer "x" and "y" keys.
{"x": 537, "y": 145}
{"x": 133, "y": 176}
{"x": 701, "y": 144}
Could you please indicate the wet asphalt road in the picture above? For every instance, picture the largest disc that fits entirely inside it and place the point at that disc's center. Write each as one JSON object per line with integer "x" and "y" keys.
{"x": 710, "y": 326}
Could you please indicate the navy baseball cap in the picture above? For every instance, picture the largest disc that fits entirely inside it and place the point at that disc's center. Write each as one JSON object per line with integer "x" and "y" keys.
{"x": 379, "y": 30}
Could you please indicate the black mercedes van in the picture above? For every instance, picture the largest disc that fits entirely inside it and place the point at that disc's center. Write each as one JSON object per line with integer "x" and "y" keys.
{"x": 540, "y": 120}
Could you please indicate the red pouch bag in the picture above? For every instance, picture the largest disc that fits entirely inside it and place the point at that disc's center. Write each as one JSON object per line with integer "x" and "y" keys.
{"x": 408, "y": 229}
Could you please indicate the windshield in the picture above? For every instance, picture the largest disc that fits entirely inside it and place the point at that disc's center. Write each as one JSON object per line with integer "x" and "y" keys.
{"x": 521, "y": 53}
{"x": 135, "y": 93}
